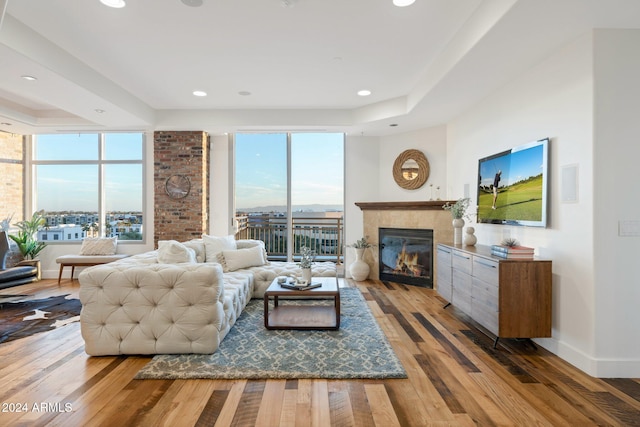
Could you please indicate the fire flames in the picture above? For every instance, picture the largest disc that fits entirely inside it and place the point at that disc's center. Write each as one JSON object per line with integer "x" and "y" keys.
{"x": 407, "y": 263}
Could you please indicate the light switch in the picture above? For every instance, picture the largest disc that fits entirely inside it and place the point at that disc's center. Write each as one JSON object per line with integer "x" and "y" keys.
{"x": 629, "y": 228}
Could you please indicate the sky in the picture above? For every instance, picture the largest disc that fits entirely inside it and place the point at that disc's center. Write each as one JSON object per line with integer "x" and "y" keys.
{"x": 317, "y": 169}
{"x": 261, "y": 171}
{"x": 65, "y": 187}
{"x": 521, "y": 164}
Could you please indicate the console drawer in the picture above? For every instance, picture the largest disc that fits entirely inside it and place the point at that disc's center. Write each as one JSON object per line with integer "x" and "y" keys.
{"x": 461, "y": 261}
{"x": 485, "y": 270}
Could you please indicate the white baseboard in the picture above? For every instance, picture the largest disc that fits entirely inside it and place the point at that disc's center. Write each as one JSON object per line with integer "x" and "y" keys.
{"x": 596, "y": 367}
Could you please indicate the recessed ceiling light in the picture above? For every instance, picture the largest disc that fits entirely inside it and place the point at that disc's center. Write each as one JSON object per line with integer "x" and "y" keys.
{"x": 5, "y": 124}
{"x": 199, "y": 93}
{"x": 403, "y": 3}
{"x": 393, "y": 125}
{"x": 99, "y": 111}
{"x": 364, "y": 92}
{"x": 30, "y": 78}
{"x": 244, "y": 93}
{"x": 114, "y": 3}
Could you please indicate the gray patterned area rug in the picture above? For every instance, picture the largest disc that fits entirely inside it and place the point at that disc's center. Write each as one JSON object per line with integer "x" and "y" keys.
{"x": 359, "y": 349}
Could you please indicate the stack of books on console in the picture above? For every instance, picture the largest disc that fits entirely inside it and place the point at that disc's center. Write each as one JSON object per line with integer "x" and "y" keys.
{"x": 512, "y": 252}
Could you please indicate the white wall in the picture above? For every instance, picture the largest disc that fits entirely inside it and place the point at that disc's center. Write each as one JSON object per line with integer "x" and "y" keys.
{"x": 556, "y": 99}
{"x": 361, "y": 166}
{"x": 220, "y": 177}
{"x": 617, "y": 197}
{"x": 433, "y": 143}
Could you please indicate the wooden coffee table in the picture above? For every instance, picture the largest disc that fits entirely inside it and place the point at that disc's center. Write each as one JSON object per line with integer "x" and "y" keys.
{"x": 306, "y": 316}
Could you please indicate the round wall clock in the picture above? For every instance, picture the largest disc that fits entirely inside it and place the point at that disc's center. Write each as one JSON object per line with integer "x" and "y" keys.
{"x": 177, "y": 186}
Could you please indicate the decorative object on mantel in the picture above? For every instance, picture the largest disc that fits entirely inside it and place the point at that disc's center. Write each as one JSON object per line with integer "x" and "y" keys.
{"x": 411, "y": 169}
{"x": 360, "y": 269}
{"x": 469, "y": 238}
{"x": 307, "y": 256}
{"x": 458, "y": 211}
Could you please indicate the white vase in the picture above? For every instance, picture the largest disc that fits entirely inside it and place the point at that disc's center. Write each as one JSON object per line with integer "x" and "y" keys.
{"x": 469, "y": 238}
{"x": 306, "y": 274}
{"x": 359, "y": 269}
{"x": 458, "y": 223}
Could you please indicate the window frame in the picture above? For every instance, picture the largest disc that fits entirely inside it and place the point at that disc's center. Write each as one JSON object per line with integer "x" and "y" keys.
{"x": 101, "y": 162}
{"x": 289, "y": 141}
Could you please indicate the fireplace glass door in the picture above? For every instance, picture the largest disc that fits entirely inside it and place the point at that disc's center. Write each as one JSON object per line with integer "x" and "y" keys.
{"x": 406, "y": 256}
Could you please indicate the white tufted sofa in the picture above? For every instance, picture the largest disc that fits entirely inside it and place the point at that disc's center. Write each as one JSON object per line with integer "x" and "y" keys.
{"x": 139, "y": 306}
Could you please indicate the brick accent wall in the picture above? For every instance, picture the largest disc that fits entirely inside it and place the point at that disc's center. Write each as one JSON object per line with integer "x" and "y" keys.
{"x": 181, "y": 153}
{"x": 12, "y": 184}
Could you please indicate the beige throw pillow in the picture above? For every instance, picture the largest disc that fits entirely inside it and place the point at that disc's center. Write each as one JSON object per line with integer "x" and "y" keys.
{"x": 173, "y": 252}
{"x": 99, "y": 246}
{"x": 233, "y": 260}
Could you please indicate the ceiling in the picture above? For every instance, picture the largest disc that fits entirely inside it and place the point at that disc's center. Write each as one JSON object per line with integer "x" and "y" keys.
{"x": 268, "y": 67}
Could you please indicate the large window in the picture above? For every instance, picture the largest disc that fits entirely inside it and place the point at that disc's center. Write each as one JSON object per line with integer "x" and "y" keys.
{"x": 89, "y": 185}
{"x": 289, "y": 192}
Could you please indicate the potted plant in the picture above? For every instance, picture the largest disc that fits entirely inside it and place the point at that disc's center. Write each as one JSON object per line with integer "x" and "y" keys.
{"x": 26, "y": 238}
{"x": 458, "y": 212}
{"x": 360, "y": 269}
{"x": 307, "y": 256}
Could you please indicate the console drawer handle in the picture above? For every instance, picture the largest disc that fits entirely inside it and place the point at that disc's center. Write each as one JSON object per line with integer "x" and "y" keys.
{"x": 486, "y": 264}
{"x": 461, "y": 256}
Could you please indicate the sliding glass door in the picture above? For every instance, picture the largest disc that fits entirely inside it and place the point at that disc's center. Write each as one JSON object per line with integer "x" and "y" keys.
{"x": 289, "y": 192}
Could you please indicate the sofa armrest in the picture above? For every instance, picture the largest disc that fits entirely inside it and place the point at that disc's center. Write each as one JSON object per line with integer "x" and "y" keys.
{"x": 152, "y": 309}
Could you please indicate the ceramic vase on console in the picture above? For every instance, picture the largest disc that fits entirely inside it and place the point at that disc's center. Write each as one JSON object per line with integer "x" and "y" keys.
{"x": 469, "y": 238}
{"x": 359, "y": 269}
{"x": 458, "y": 223}
{"x": 306, "y": 275}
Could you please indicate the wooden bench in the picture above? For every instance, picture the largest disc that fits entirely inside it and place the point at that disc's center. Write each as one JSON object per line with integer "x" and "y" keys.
{"x": 85, "y": 261}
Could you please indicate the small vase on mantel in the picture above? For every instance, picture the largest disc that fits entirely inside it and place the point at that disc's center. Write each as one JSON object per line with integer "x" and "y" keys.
{"x": 458, "y": 223}
{"x": 359, "y": 269}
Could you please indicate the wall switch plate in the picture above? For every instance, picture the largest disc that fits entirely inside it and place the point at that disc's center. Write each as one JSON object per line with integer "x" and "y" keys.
{"x": 629, "y": 228}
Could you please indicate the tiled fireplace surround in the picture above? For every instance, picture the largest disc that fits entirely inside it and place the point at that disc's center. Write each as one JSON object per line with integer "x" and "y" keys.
{"x": 427, "y": 214}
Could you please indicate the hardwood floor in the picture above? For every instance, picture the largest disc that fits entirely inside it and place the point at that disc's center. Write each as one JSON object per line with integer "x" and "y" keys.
{"x": 456, "y": 378}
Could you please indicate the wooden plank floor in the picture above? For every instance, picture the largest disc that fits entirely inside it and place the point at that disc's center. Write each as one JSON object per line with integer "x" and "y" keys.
{"x": 456, "y": 378}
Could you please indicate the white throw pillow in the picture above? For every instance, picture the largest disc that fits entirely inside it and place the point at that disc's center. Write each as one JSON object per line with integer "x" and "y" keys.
{"x": 233, "y": 260}
{"x": 99, "y": 246}
{"x": 173, "y": 252}
{"x": 198, "y": 246}
{"x": 213, "y": 245}
{"x": 250, "y": 243}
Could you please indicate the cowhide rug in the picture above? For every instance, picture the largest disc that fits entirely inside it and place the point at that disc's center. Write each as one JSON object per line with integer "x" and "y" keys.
{"x": 25, "y": 318}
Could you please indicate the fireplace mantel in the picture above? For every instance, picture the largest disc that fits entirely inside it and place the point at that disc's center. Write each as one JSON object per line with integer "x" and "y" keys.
{"x": 404, "y": 206}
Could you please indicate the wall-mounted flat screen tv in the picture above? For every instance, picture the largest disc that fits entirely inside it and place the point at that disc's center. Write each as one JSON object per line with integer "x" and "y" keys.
{"x": 512, "y": 186}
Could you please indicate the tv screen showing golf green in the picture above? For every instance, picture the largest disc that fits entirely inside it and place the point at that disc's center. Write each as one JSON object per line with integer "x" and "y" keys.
{"x": 512, "y": 186}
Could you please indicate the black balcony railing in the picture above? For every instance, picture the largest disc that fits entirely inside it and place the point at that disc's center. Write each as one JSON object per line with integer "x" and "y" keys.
{"x": 323, "y": 235}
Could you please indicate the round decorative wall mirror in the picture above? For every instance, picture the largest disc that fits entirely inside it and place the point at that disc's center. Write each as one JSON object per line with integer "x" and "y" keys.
{"x": 411, "y": 169}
